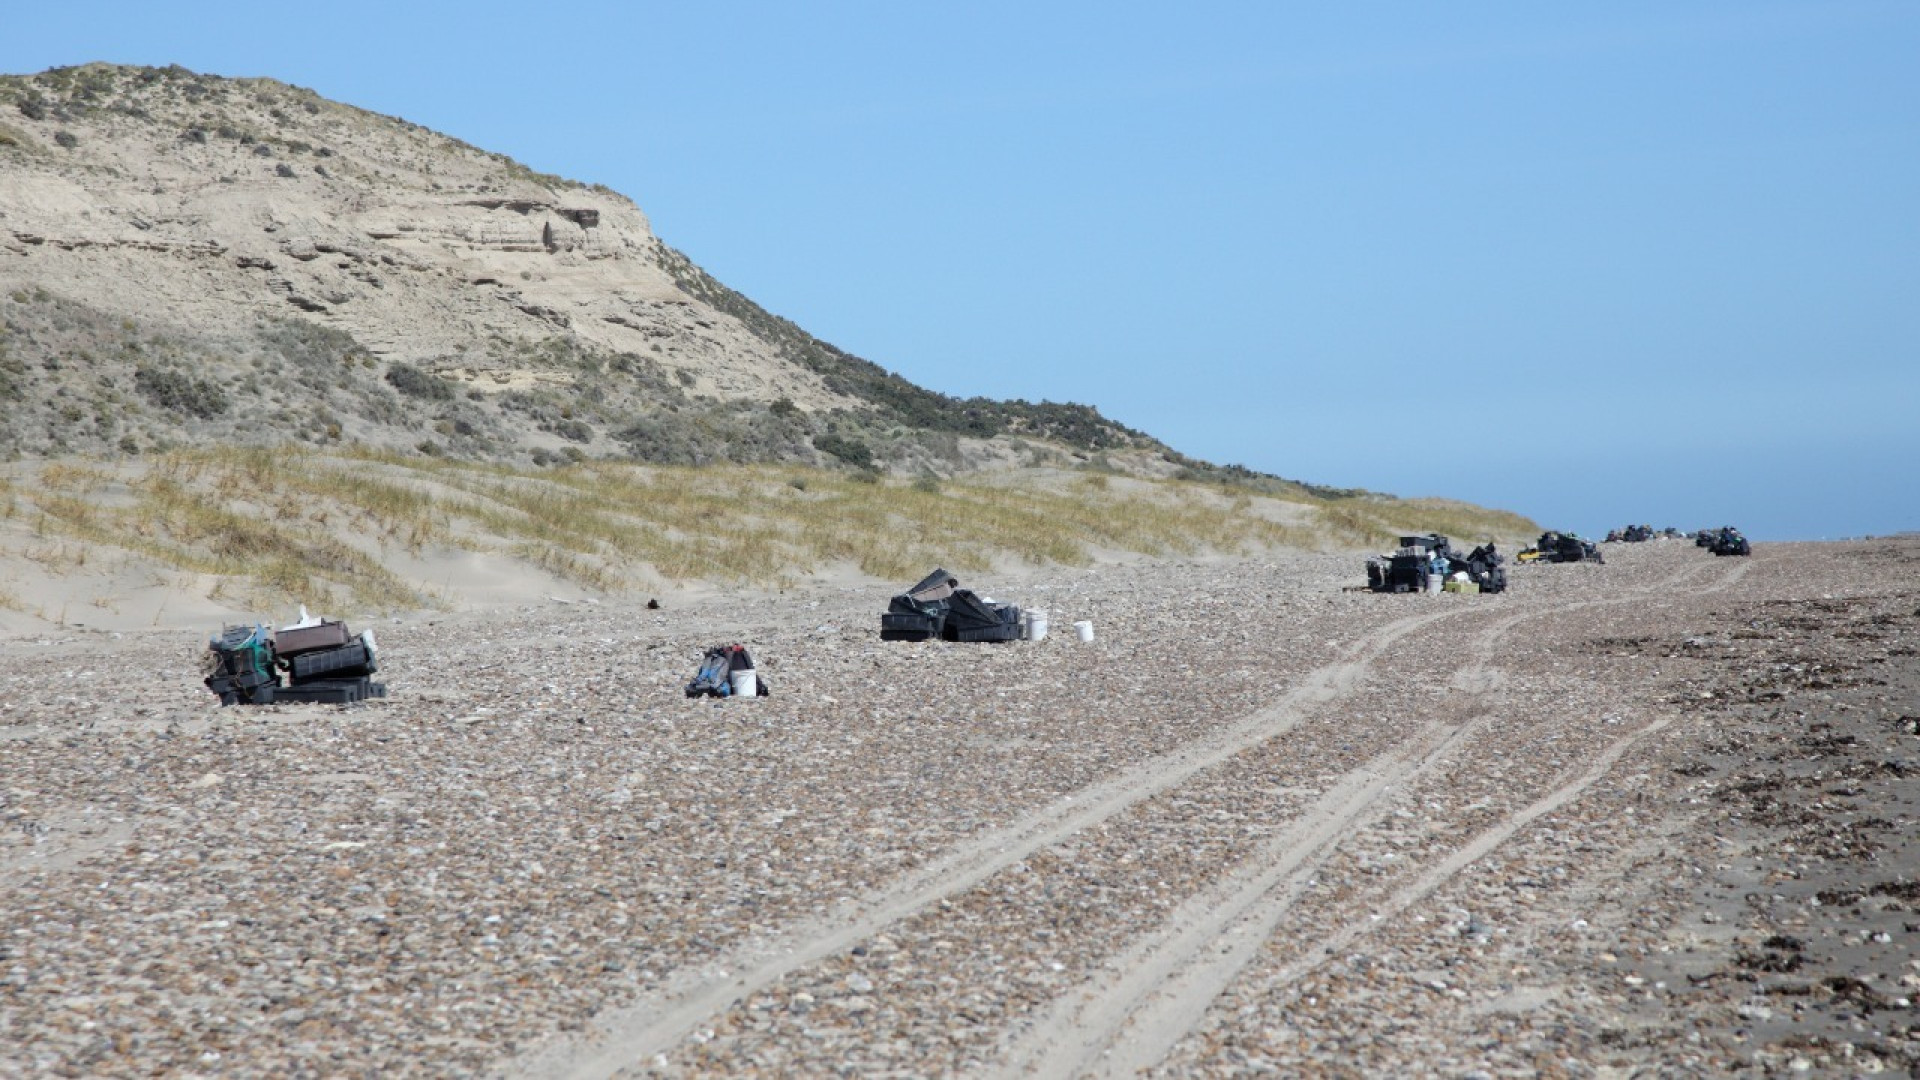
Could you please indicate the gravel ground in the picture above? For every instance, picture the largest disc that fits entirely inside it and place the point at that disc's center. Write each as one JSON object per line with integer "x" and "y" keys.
{"x": 1652, "y": 817}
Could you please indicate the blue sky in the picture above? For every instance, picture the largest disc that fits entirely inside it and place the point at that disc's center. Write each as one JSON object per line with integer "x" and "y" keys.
{"x": 1599, "y": 264}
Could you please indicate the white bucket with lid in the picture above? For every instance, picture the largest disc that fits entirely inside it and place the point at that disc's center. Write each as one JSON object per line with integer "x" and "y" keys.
{"x": 745, "y": 683}
{"x": 1084, "y": 630}
{"x": 1036, "y": 625}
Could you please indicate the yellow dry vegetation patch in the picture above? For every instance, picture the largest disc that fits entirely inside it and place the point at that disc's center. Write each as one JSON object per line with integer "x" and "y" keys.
{"x": 1375, "y": 522}
{"x": 278, "y": 525}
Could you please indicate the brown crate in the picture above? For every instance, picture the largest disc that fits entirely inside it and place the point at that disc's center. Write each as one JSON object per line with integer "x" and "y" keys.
{"x": 329, "y": 634}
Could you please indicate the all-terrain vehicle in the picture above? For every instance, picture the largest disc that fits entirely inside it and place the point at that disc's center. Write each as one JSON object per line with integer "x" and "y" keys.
{"x": 1419, "y": 560}
{"x": 1728, "y": 541}
{"x": 1559, "y": 547}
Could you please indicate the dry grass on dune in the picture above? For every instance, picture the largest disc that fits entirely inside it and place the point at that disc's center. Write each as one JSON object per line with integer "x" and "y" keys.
{"x": 273, "y": 525}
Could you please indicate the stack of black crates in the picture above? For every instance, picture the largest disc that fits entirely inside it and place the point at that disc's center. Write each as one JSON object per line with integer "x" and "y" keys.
{"x": 326, "y": 663}
{"x": 939, "y": 608}
{"x": 321, "y": 660}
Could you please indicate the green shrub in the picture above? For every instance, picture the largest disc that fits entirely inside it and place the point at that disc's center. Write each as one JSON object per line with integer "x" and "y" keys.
{"x": 413, "y": 382}
{"x": 852, "y": 451}
{"x": 309, "y": 344}
{"x": 180, "y": 393}
{"x": 13, "y": 377}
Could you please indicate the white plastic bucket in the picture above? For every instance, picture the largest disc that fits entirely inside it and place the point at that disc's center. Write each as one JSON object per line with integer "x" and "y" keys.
{"x": 1084, "y": 629}
{"x": 745, "y": 683}
{"x": 1036, "y": 625}
{"x": 1435, "y": 582}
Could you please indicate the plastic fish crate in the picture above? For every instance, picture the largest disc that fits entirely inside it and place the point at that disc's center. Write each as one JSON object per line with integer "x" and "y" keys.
{"x": 330, "y": 692}
{"x": 1008, "y": 629}
{"x": 353, "y": 658}
{"x": 906, "y": 626}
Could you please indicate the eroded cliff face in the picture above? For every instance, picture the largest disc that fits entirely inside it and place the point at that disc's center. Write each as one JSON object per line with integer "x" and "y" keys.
{"x": 187, "y": 259}
{"x": 199, "y": 206}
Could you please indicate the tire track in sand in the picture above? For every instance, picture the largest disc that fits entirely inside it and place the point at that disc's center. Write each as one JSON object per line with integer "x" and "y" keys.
{"x": 1160, "y": 987}
{"x": 1181, "y": 997}
{"x": 658, "y": 1021}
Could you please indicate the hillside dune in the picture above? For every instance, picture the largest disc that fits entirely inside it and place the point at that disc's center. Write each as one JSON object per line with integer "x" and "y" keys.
{"x": 262, "y": 348}
{"x": 195, "y": 260}
{"x": 205, "y": 205}
{"x": 192, "y": 538}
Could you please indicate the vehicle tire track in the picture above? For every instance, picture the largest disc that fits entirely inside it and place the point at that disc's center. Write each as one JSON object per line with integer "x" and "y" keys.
{"x": 1175, "y": 1005}
{"x": 1161, "y": 987}
{"x": 653, "y": 1024}
{"x": 1240, "y": 911}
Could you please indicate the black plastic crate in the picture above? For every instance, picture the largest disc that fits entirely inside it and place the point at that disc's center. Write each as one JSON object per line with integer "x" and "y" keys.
{"x": 246, "y": 686}
{"x": 330, "y": 692}
{"x": 251, "y": 695}
{"x": 245, "y": 679}
{"x": 353, "y": 658}
{"x": 910, "y": 626}
{"x": 259, "y": 695}
{"x": 1006, "y": 629}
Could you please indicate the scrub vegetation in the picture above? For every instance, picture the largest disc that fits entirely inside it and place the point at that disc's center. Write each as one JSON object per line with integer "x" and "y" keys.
{"x": 275, "y": 526}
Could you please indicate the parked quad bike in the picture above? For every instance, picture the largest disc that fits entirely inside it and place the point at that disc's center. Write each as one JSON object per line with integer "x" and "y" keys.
{"x": 1728, "y": 541}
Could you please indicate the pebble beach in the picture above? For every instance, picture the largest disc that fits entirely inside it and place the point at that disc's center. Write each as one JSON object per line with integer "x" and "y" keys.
{"x": 1650, "y": 817}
